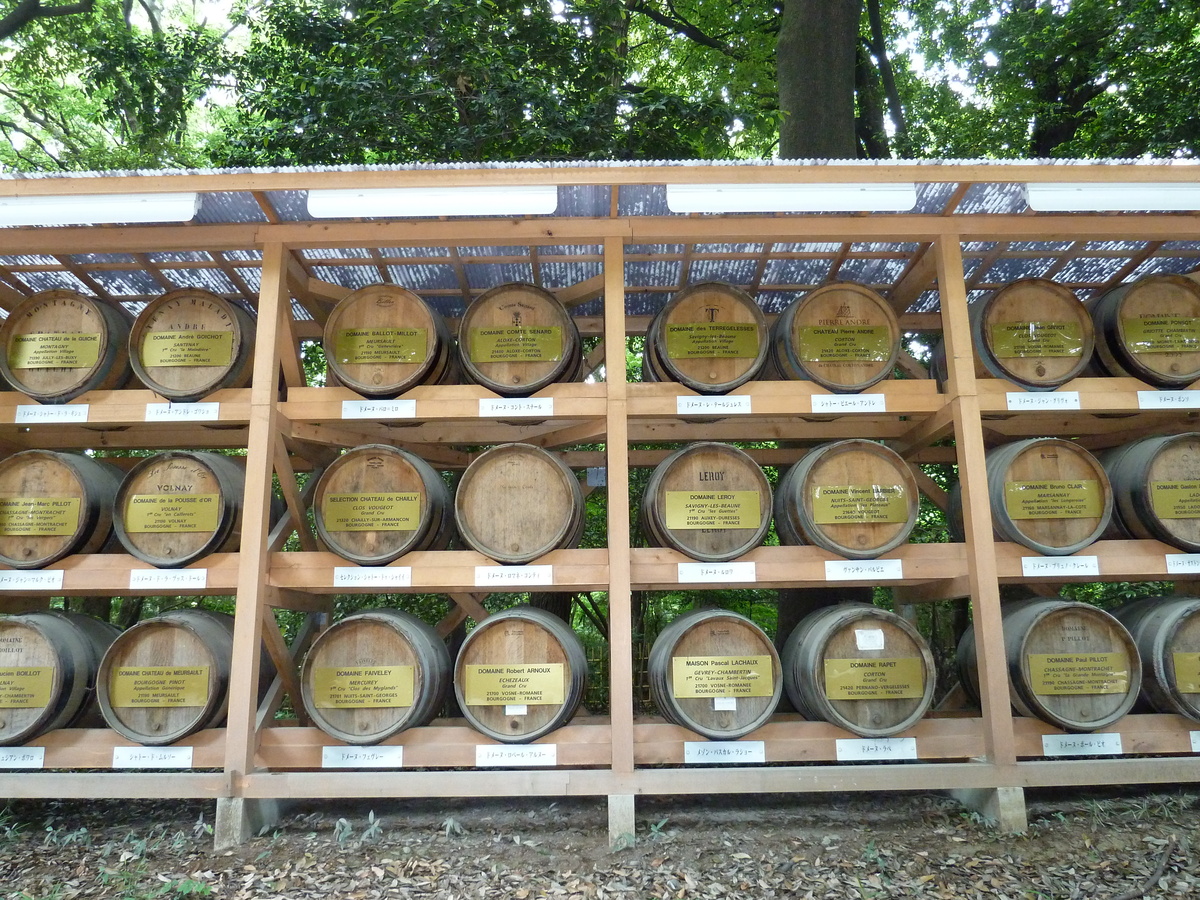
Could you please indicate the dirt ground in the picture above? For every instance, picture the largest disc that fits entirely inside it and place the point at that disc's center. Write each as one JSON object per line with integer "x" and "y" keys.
{"x": 1080, "y": 844}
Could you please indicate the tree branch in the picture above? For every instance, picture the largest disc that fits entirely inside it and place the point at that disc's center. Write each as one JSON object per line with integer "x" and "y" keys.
{"x": 888, "y": 78}
{"x": 679, "y": 25}
{"x": 27, "y": 11}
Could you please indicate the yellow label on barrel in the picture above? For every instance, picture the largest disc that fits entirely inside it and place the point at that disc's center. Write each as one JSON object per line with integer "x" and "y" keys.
{"x": 1078, "y": 673}
{"x": 1019, "y": 340}
{"x": 371, "y": 512}
{"x": 187, "y": 348}
{"x": 363, "y": 687}
{"x": 73, "y": 350}
{"x": 1187, "y": 672}
{"x": 1161, "y": 334}
{"x": 502, "y": 345}
{"x": 172, "y": 513}
{"x": 531, "y": 684}
{"x": 1053, "y": 499}
{"x": 852, "y": 504}
{"x": 712, "y": 340}
{"x": 158, "y": 686}
{"x": 694, "y": 510}
{"x": 1175, "y": 499}
{"x": 25, "y": 688}
{"x": 363, "y": 346}
{"x": 39, "y": 516}
{"x": 902, "y": 678}
{"x": 856, "y": 343}
{"x": 693, "y": 677}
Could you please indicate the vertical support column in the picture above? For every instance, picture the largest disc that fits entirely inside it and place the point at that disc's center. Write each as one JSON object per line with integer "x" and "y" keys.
{"x": 977, "y": 517}
{"x": 235, "y": 821}
{"x": 620, "y": 614}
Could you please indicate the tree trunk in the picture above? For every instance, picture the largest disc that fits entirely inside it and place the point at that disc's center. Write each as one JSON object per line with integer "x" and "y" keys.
{"x": 815, "y": 55}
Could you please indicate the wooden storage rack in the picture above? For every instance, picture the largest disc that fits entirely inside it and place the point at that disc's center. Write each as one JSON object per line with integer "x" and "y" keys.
{"x": 970, "y": 233}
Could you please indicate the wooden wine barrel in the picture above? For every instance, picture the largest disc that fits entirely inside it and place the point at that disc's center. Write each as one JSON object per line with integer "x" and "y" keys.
{"x": 709, "y": 501}
{"x": 382, "y": 340}
{"x": 1150, "y": 329}
{"x": 520, "y": 674}
{"x": 843, "y": 336}
{"x": 716, "y": 673}
{"x": 60, "y": 344}
{"x": 374, "y": 674}
{"x": 516, "y": 339}
{"x": 176, "y": 507}
{"x": 1156, "y": 489}
{"x": 856, "y": 498}
{"x": 859, "y": 667}
{"x": 1069, "y": 664}
{"x": 1049, "y": 494}
{"x": 1166, "y": 631}
{"x": 48, "y": 664}
{"x": 53, "y": 504}
{"x": 710, "y": 337}
{"x": 1034, "y": 332}
{"x": 168, "y": 677}
{"x": 188, "y": 343}
{"x": 376, "y": 502}
{"x": 517, "y": 502}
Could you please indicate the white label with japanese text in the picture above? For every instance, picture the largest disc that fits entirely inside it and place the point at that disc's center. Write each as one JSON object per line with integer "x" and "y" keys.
{"x": 1039, "y": 566}
{"x": 505, "y": 576}
{"x": 1168, "y": 399}
{"x": 869, "y": 638}
{"x": 516, "y": 755}
{"x": 1183, "y": 563}
{"x": 362, "y": 757}
{"x": 692, "y": 573}
{"x": 1043, "y": 400}
{"x": 863, "y": 569}
{"x": 22, "y": 757}
{"x": 171, "y": 579}
{"x": 724, "y": 752}
{"x": 152, "y": 758}
{"x": 852, "y": 749}
{"x": 383, "y": 576}
{"x": 1107, "y": 744}
{"x": 1195, "y": 735}
{"x": 851, "y": 403}
{"x": 41, "y": 580}
{"x": 36, "y": 415}
{"x": 517, "y": 406}
{"x": 183, "y": 412}
{"x": 732, "y": 404}
{"x": 379, "y": 409}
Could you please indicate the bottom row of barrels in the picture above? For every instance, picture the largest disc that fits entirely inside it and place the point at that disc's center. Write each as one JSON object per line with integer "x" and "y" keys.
{"x": 521, "y": 673}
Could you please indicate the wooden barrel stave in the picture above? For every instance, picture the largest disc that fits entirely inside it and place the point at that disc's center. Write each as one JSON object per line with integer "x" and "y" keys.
{"x": 68, "y": 645}
{"x": 517, "y": 502}
{"x": 706, "y": 469}
{"x": 73, "y": 328}
{"x": 174, "y": 482}
{"x": 33, "y": 486}
{"x": 1166, "y": 631}
{"x": 395, "y": 479}
{"x": 711, "y": 337}
{"x": 1049, "y": 629}
{"x": 722, "y": 639}
{"x": 856, "y": 498}
{"x": 1150, "y": 329}
{"x": 1156, "y": 489}
{"x": 188, "y": 343}
{"x": 377, "y": 639}
{"x": 825, "y": 653}
{"x": 842, "y": 336}
{"x": 516, "y": 339}
{"x": 518, "y": 637}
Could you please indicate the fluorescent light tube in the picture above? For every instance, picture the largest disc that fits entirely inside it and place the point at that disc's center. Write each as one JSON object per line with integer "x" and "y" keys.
{"x": 731, "y": 198}
{"x": 98, "y": 209}
{"x": 499, "y": 200}
{"x": 1116, "y": 197}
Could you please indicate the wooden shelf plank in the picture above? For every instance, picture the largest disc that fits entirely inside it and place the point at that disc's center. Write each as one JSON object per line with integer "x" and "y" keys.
{"x": 89, "y": 574}
{"x": 1118, "y": 561}
{"x": 92, "y": 748}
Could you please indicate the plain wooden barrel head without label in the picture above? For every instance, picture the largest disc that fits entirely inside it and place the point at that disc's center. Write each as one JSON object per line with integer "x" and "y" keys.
{"x": 856, "y": 498}
{"x": 516, "y": 339}
{"x": 168, "y": 677}
{"x": 1049, "y": 494}
{"x": 54, "y": 504}
{"x": 1069, "y": 664}
{"x": 374, "y": 674}
{"x": 59, "y": 344}
{"x": 1150, "y": 329}
{"x": 843, "y": 336}
{"x": 710, "y": 337}
{"x": 520, "y": 674}
{"x": 376, "y": 502}
{"x": 1166, "y": 631}
{"x": 517, "y": 502}
{"x": 176, "y": 507}
{"x": 188, "y": 343}
{"x": 709, "y": 501}
{"x": 1033, "y": 332}
{"x": 1156, "y": 489}
{"x": 48, "y": 664}
{"x": 716, "y": 673}
{"x": 382, "y": 340}
{"x": 859, "y": 667}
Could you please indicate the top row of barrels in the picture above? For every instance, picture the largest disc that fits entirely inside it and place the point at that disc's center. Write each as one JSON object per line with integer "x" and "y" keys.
{"x": 516, "y": 339}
